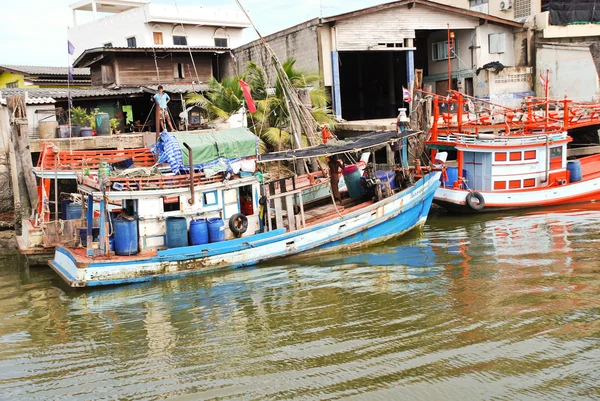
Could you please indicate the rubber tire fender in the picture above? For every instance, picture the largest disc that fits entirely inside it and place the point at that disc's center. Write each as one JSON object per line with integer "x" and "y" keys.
{"x": 475, "y": 206}
{"x": 238, "y": 224}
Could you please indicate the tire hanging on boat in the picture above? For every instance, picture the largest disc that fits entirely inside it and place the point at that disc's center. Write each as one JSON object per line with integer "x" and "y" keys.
{"x": 475, "y": 206}
{"x": 238, "y": 224}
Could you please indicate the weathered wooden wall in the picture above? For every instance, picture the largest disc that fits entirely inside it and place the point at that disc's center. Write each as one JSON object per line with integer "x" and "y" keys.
{"x": 141, "y": 70}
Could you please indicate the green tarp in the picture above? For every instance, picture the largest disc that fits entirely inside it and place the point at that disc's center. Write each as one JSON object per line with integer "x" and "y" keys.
{"x": 207, "y": 147}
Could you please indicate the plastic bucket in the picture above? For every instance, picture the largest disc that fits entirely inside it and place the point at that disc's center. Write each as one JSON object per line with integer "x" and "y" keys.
{"x": 198, "y": 232}
{"x": 386, "y": 176}
{"x": 86, "y": 132}
{"x": 352, "y": 179}
{"x": 75, "y": 131}
{"x": 574, "y": 167}
{"x": 64, "y": 131}
{"x": 73, "y": 211}
{"x": 177, "y": 235}
{"x": 126, "y": 236}
{"x": 216, "y": 229}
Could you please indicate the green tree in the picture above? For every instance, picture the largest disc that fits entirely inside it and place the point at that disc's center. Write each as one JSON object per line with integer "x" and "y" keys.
{"x": 271, "y": 122}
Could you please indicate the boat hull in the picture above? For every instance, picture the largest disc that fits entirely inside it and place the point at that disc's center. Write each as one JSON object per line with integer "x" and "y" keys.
{"x": 375, "y": 223}
{"x": 573, "y": 193}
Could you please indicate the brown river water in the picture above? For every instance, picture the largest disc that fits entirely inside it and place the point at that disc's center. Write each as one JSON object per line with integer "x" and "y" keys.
{"x": 488, "y": 307}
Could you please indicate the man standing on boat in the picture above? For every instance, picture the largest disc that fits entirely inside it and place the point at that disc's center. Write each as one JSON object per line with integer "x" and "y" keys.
{"x": 161, "y": 99}
{"x": 334, "y": 165}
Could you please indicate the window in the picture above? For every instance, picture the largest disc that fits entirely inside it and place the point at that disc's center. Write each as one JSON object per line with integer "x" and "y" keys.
{"x": 530, "y": 155}
{"x": 158, "y": 38}
{"x": 12, "y": 84}
{"x": 210, "y": 198}
{"x": 178, "y": 72}
{"x": 499, "y": 184}
{"x": 556, "y": 152}
{"x": 514, "y": 184}
{"x": 131, "y": 42}
{"x": 500, "y": 157}
{"x": 474, "y": 3}
{"x": 439, "y": 51}
{"x": 497, "y": 42}
{"x": 515, "y": 156}
{"x": 529, "y": 183}
{"x": 109, "y": 44}
{"x": 179, "y": 40}
{"x": 221, "y": 42}
{"x": 171, "y": 203}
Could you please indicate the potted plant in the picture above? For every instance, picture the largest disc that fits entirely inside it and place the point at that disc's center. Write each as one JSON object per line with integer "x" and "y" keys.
{"x": 79, "y": 118}
{"x": 90, "y": 122}
{"x": 114, "y": 126}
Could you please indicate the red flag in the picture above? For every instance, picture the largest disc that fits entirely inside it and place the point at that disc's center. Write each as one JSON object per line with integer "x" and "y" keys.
{"x": 248, "y": 96}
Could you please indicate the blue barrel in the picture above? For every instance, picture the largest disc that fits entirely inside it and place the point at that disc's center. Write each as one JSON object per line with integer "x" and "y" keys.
{"x": 574, "y": 167}
{"x": 386, "y": 176}
{"x": 63, "y": 208}
{"x": 198, "y": 232}
{"x": 177, "y": 235}
{"x": 452, "y": 173}
{"x": 352, "y": 179}
{"x": 73, "y": 211}
{"x": 126, "y": 236}
{"x": 216, "y": 229}
{"x": 111, "y": 243}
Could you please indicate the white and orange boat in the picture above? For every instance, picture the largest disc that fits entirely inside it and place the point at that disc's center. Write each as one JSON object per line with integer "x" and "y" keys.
{"x": 511, "y": 159}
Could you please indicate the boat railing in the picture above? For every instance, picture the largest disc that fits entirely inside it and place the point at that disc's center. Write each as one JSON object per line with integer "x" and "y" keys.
{"x": 77, "y": 160}
{"x": 154, "y": 182}
{"x": 490, "y": 139}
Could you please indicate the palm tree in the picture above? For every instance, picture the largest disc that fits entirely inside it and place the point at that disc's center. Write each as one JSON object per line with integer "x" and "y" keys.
{"x": 271, "y": 122}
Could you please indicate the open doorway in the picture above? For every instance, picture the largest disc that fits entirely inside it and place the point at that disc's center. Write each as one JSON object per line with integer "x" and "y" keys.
{"x": 371, "y": 84}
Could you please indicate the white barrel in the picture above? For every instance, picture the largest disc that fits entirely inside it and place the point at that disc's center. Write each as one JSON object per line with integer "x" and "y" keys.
{"x": 47, "y": 129}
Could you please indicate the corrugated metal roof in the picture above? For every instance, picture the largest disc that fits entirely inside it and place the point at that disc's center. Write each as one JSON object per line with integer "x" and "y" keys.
{"x": 33, "y": 100}
{"x": 179, "y": 88}
{"x": 42, "y": 70}
{"x": 63, "y": 93}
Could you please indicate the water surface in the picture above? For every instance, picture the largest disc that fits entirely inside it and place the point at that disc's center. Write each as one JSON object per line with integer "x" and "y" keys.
{"x": 485, "y": 307}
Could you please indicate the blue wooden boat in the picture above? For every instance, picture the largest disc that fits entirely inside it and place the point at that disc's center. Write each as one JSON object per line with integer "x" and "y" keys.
{"x": 277, "y": 223}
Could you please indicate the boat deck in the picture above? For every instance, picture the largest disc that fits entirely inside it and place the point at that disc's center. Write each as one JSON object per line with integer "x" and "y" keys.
{"x": 82, "y": 259}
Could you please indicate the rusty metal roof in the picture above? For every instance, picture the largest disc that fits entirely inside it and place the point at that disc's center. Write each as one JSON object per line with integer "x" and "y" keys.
{"x": 42, "y": 70}
{"x": 63, "y": 93}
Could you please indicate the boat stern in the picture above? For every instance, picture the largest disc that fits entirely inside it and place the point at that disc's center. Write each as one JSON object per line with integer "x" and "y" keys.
{"x": 65, "y": 266}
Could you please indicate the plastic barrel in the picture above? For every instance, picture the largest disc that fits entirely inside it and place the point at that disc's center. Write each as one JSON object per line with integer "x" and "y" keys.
{"x": 574, "y": 167}
{"x": 216, "y": 229}
{"x": 352, "y": 178}
{"x": 63, "y": 208}
{"x": 102, "y": 124}
{"x": 386, "y": 176}
{"x": 126, "y": 236}
{"x": 198, "y": 232}
{"x": 177, "y": 235}
{"x": 73, "y": 211}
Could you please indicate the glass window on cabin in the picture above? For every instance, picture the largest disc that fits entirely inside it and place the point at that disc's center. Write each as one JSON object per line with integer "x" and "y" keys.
{"x": 556, "y": 152}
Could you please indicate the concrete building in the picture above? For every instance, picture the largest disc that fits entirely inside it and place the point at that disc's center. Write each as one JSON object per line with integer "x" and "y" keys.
{"x": 367, "y": 56}
{"x": 137, "y": 23}
{"x": 563, "y": 48}
{"x": 519, "y": 10}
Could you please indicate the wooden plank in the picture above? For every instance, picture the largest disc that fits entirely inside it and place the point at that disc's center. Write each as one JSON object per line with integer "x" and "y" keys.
{"x": 289, "y": 205}
{"x": 586, "y": 151}
{"x": 278, "y": 213}
{"x": 125, "y": 141}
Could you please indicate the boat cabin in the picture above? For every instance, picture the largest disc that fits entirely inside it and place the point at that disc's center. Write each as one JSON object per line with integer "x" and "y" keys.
{"x": 499, "y": 163}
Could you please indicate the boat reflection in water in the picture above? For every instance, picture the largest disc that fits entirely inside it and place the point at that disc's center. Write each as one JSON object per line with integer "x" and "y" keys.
{"x": 489, "y": 307}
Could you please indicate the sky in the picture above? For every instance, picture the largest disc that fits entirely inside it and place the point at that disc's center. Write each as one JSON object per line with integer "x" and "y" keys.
{"x": 34, "y": 32}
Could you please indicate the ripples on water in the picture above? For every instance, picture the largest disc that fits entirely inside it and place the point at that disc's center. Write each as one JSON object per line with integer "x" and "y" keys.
{"x": 472, "y": 308}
